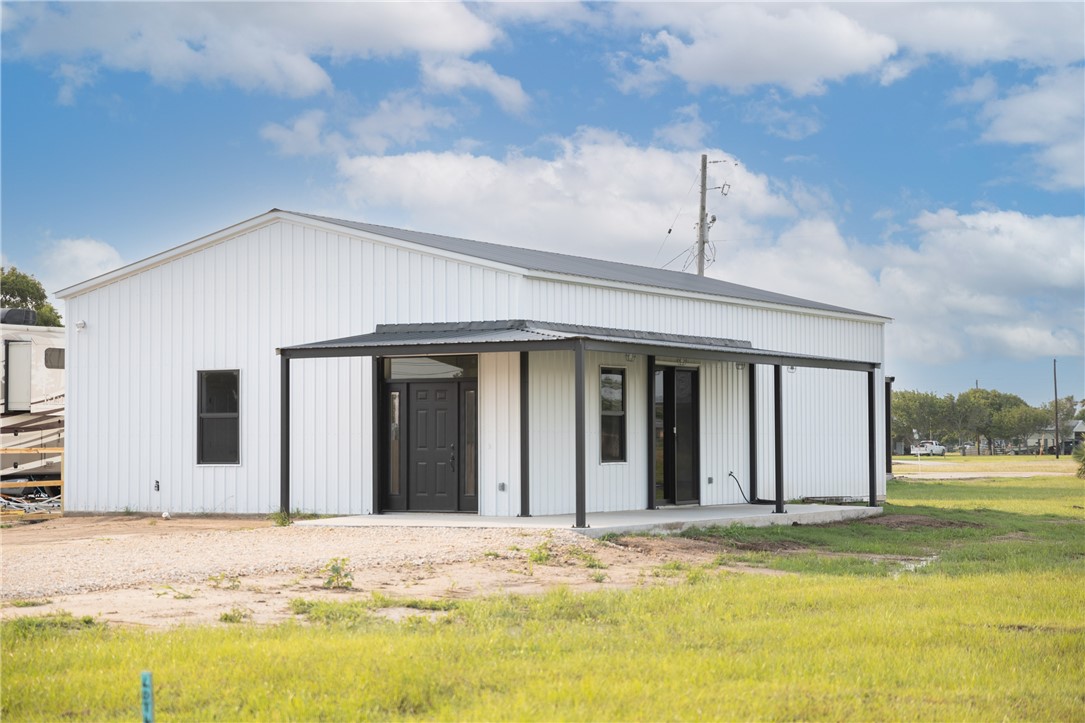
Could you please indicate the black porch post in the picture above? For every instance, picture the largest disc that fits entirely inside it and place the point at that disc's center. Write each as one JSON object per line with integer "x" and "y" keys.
{"x": 376, "y": 409}
{"x": 778, "y": 423}
{"x": 889, "y": 424}
{"x": 525, "y": 439}
{"x": 753, "y": 432}
{"x": 581, "y": 428}
{"x": 284, "y": 434}
{"x": 651, "y": 416}
{"x": 872, "y": 438}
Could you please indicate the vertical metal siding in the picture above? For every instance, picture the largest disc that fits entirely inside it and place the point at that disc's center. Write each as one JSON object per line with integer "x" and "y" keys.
{"x": 132, "y": 379}
{"x": 837, "y": 400}
{"x": 499, "y": 433}
{"x": 132, "y": 383}
{"x": 551, "y": 434}
{"x": 724, "y": 433}
{"x": 613, "y": 486}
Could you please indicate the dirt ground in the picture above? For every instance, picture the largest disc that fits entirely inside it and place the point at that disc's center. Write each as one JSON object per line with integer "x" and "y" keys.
{"x": 140, "y": 582}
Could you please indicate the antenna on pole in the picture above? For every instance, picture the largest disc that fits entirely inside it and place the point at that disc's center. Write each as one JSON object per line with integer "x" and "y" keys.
{"x": 702, "y": 220}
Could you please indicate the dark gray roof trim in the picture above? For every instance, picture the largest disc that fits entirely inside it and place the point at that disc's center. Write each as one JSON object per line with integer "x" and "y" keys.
{"x": 548, "y": 261}
{"x": 522, "y": 335}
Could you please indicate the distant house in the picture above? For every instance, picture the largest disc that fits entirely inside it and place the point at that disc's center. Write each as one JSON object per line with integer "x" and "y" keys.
{"x": 301, "y": 362}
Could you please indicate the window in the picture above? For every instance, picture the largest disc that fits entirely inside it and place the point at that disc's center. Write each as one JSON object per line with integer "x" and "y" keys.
{"x": 219, "y": 431}
{"x": 611, "y": 415}
{"x": 54, "y": 358}
{"x": 458, "y": 366}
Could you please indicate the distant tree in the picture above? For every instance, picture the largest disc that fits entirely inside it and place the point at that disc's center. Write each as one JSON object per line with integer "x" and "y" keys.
{"x": 1023, "y": 421}
{"x": 1067, "y": 407}
{"x": 922, "y": 415}
{"x": 994, "y": 415}
{"x": 23, "y": 291}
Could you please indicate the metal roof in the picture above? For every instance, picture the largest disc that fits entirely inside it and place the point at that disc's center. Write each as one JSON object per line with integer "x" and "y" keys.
{"x": 524, "y": 335}
{"x": 548, "y": 261}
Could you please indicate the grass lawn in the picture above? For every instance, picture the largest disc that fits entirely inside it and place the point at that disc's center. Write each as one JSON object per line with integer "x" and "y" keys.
{"x": 966, "y": 601}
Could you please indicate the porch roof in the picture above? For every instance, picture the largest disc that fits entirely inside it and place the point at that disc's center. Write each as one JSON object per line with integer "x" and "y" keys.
{"x": 524, "y": 335}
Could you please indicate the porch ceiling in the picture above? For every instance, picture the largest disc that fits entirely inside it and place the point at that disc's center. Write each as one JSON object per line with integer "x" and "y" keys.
{"x": 524, "y": 335}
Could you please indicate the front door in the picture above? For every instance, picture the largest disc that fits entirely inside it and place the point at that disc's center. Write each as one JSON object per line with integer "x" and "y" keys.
{"x": 434, "y": 430}
{"x": 430, "y": 442}
{"x": 677, "y": 437}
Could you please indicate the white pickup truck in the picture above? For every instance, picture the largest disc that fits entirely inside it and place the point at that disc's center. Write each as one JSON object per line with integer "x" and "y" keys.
{"x": 929, "y": 446}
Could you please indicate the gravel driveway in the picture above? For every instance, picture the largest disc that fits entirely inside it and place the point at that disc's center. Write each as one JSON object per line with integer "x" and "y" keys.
{"x": 96, "y": 554}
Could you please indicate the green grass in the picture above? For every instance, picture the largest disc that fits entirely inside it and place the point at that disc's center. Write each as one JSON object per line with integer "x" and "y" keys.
{"x": 993, "y": 627}
{"x": 968, "y": 526}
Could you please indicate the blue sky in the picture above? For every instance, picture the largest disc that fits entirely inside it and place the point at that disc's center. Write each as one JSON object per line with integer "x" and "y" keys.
{"x": 921, "y": 161}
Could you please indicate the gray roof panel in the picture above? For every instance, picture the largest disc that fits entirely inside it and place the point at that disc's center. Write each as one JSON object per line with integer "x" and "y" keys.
{"x": 524, "y": 335}
{"x": 551, "y": 262}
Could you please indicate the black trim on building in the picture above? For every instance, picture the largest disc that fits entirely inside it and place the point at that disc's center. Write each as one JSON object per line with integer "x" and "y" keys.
{"x": 525, "y": 437}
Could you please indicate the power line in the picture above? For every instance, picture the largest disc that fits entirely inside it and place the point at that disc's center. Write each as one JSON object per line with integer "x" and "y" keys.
{"x": 668, "y": 234}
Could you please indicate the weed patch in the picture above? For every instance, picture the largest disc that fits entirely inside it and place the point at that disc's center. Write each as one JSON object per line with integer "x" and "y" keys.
{"x": 22, "y": 628}
{"x": 235, "y": 615}
{"x": 337, "y": 574}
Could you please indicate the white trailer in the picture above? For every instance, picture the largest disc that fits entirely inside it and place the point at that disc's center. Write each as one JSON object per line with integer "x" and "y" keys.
{"x": 31, "y": 402}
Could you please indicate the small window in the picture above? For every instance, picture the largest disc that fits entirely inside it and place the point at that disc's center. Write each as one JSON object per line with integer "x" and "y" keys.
{"x": 54, "y": 358}
{"x": 611, "y": 415}
{"x": 219, "y": 433}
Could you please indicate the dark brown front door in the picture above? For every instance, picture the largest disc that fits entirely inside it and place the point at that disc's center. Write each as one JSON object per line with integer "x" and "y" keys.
{"x": 433, "y": 479}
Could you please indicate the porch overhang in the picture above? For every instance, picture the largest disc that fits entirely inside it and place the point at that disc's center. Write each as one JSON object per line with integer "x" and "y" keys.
{"x": 480, "y": 337}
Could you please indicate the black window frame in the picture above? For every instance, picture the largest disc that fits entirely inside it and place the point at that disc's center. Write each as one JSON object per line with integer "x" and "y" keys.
{"x": 622, "y": 427}
{"x": 203, "y": 416}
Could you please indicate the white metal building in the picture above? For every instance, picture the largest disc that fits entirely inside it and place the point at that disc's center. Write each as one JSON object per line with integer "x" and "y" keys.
{"x": 186, "y": 369}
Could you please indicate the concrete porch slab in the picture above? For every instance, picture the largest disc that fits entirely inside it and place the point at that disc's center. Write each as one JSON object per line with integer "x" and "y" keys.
{"x": 667, "y": 520}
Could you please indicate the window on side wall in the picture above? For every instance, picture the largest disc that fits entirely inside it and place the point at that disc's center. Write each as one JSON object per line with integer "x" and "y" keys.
{"x": 611, "y": 414}
{"x": 218, "y": 438}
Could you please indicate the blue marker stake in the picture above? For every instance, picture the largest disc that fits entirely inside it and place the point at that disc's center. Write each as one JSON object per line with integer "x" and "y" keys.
{"x": 148, "y": 697}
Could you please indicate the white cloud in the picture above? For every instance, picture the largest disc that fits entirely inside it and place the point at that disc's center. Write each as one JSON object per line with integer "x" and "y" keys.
{"x": 272, "y": 47}
{"x": 687, "y": 130}
{"x": 778, "y": 121}
{"x": 1049, "y": 114}
{"x": 993, "y": 282}
{"x": 304, "y": 137}
{"x": 803, "y": 47}
{"x": 69, "y": 261}
{"x": 980, "y": 90}
{"x": 1024, "y": 340}
{"x": 739, "y": 46}
{"x": 399, "y": 120}
{"x": 591, "y": 193}
{"x": 1043, "y": 34}
{"x": 449, "y": 75}
{"x": 970, "y": 284}
{"x": 565, "y": 16}
{"x": 72, "y": 77}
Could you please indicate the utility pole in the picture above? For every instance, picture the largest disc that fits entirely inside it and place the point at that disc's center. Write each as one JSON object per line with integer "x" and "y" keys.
{"x": 702, "y": 220}
{"x": 1055, "y": 379}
